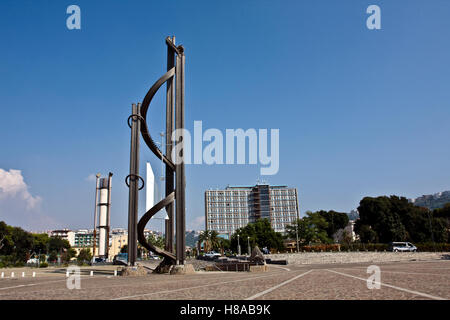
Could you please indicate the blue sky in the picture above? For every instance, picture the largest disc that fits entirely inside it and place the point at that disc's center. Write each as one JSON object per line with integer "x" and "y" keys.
{"x": 361, "y": 112}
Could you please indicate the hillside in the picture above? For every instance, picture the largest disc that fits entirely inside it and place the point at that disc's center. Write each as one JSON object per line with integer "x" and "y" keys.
{"x": 432, "y": 201}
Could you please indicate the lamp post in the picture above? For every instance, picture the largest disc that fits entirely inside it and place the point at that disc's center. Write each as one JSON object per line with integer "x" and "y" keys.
{"x": 431, "y": 230}
{"x": 296, "y": 231}
{"x": 239, "y": 246}
{"x": 248, "y": 241}
{"x": 162, "y": 223}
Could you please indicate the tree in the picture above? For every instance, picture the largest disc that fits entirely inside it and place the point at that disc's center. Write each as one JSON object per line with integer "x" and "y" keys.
{"x": 388, "y": 219}
{"x": 441, "y": 225}
{"x": 17, "y": 245}
{"x": 57, "y": 244}
{"x": 40, "y": 243}
{"x": 259, "y": 233}
{"x": 53, "y": 256}
{"x": 365, "y": 232}
{"x": 223, "y": 245}
{"x": 68, "y": 254}
{"x": 311, "y": 229}
{"x": 383, "y": 215}
{"x": 156, "y": 241}
{"x": 335, "y": 220}
{"x": 84, "y": 256}
{"x": 5, "y": 236}
{"x": 210, "y": 239}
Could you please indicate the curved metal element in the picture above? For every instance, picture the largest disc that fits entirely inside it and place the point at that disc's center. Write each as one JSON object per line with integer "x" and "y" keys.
{"x": 144, "y": 107}
{"x": 144, "y": 220}
{"x": 151, "y": 144}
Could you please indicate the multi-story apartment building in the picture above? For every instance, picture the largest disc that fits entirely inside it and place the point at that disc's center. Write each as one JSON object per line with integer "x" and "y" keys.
{"x": 236, "y": 206}
{"x": 64, "y": 234}
{"x": 84, "y": 238}
{"x": 116, "y": 242}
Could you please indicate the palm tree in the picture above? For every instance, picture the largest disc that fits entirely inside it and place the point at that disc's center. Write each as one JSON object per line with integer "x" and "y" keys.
{"x": 210, "y": 238}
{"x": 214, "y": 239}
{"x": 203, "y": 238}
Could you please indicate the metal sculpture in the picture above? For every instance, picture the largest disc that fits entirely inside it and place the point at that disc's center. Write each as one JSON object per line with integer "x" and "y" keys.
{"x": 174, "y": 77}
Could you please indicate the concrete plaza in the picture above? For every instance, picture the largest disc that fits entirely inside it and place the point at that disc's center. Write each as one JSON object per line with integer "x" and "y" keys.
{"x": 403, "y": 280}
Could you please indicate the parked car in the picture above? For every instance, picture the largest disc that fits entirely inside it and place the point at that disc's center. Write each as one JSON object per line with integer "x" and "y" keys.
{"x": 153, "y": 257}
{"x": 121, "y": 259}
{"x": 212, "y": 254}
{"x": 402, "y": 247}
{"x": 33, "y": 261}
{"x": 99, "y": 260}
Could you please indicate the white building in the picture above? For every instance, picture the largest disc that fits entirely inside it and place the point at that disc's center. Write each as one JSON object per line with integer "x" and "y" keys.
{"x": 349, "y": 230}
{"x": 149, "y": 188}
{"x": 236, "y": 206}
{"x": 64, "y": 234}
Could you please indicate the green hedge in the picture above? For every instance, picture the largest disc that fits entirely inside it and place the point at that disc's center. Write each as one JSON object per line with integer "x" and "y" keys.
{"x": 357, "y": 246}
{"x": 320, "y": 247}
{"x": 430, "y": 247}
{"x": 364, "y": 247}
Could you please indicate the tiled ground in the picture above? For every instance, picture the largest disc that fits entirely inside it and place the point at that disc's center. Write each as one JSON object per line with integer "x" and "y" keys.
{"x": 400, "y": 280}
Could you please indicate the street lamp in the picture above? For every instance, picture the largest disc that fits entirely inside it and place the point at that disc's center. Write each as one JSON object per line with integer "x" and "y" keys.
{"x": 248, "y": 241}
{"x": 239, "y": 246}
{"x": 162, "y": 223}
{"x": 431, "y": 230}
{"x": 162, "y": 178}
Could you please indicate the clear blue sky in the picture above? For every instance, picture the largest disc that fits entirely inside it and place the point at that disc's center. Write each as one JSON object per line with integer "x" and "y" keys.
{"x": 360, "y": 112}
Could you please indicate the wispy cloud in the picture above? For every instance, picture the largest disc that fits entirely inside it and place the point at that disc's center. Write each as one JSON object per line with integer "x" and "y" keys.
{"x": 197, "y": 223}
{"x": 18, "y": 207}
{"x": 12, "y": 185}
{"x": 91, "y": 177}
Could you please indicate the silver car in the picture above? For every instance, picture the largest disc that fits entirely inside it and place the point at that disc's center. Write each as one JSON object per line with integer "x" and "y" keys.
{"x": 402, "y": 247}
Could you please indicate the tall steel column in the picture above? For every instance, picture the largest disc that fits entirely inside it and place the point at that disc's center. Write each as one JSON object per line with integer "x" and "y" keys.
{"x": 108, "y": 229}
{"x": 169, "y": 224}
{"x": 133, "y": 185}
{"x": 179, "y": 169}
{"x": 174, "y": 94}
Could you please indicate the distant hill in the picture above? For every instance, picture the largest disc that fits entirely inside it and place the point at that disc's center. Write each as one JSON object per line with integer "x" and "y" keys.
{"x": 432, "y": 201}
{"x": 191, "y": 238}
{"x": 353, "y": 215}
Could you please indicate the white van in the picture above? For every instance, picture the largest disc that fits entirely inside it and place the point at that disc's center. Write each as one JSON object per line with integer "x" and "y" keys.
{"x": 402, "y": 247}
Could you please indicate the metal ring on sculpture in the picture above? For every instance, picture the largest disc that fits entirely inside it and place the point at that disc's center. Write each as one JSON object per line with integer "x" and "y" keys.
{"x": 136, "y": 176}
{"x": 135, "y": 116}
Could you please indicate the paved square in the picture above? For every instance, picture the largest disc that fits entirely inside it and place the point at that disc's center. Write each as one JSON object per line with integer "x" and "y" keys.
{"x": 412, "y": 280}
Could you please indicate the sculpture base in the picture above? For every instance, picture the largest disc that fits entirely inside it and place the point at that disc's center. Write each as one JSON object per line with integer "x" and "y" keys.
{"x": 133, "y": 271}
{"x": 183, "y": 269}
{"x": 164, "y": 267}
